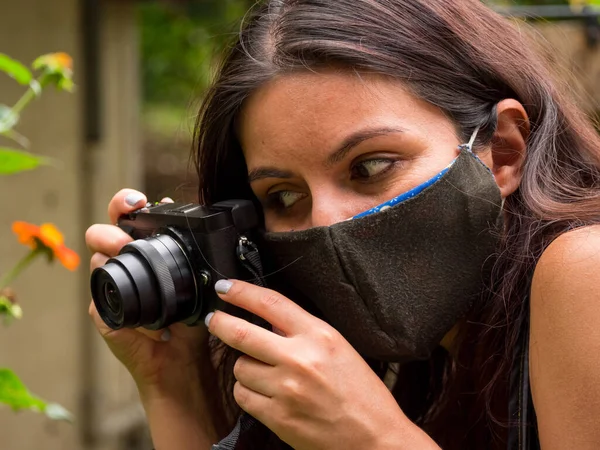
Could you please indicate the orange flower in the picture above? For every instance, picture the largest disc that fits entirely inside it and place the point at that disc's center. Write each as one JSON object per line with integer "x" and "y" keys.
{"x": 57, "y": 69}
{"x": 46, "y": 238}
{"x": 55, "y": 61}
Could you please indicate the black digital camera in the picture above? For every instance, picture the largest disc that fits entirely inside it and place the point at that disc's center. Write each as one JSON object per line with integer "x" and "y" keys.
{"x": 167, "y": 274}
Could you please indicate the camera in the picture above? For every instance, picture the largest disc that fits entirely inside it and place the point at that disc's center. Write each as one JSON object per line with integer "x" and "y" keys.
{"x": 167, "y": 273}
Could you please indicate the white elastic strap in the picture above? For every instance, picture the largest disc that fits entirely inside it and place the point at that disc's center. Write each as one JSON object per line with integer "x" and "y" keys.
{"x": 472, "y": 141}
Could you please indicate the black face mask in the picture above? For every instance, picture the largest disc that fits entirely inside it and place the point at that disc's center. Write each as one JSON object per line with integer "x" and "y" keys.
{"x": 394, "y": 280}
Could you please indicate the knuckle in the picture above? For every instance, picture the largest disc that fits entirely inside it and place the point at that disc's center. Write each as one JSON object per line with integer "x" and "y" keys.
{"x": 329, "y": 341}
{"x": 270, "y": 300}
{"x": 308, "y": 364}
{"x": 240, "y": 395}
{"x": 290, "y": 388}
{"x": 295, "y": 395}
{"x": 327, "y": 336}
{"x": 238, "y": 368}
{"x": 240, "y": 335}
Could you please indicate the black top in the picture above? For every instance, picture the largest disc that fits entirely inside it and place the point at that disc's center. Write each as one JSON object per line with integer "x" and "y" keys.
{"x": 524, "y": 435}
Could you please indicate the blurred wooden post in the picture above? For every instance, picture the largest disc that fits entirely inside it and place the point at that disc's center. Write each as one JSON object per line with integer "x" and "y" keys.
{"x": 115, "y": 162}
{"x": 54, "y": 348}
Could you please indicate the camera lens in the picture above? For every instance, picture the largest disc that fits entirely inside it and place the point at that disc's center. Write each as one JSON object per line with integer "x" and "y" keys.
{"x": 150, "y": 284}
{"x": 112, "y": 298}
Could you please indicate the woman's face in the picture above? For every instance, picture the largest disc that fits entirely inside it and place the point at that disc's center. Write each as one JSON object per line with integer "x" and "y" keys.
{"x": 323, "y": 147}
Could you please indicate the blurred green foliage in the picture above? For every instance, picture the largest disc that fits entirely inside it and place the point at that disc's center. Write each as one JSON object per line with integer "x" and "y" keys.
{"x": 179, "y": 41}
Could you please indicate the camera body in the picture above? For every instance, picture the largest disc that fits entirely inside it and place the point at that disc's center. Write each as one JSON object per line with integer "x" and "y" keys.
{"x": 167, "y": 273}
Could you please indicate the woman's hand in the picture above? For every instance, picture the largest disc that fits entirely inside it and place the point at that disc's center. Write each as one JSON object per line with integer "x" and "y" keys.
{"x": 153, "y": 358}
{"x": 171, "y": 368}
{"x": 305, "y": 381}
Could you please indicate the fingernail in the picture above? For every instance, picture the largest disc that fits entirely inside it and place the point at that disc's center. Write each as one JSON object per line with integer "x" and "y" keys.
{"x": 223, "y": 286}
{"x": 166, "y": 336}
{"x": 134, "y": 198}
{"x": 207, "y": 319}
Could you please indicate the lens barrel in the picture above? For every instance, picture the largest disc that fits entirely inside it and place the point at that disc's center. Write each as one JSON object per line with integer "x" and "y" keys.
{"x": 150, "y": 284}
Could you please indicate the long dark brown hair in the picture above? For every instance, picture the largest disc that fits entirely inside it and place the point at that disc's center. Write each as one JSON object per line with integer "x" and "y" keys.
{"x": 463, "y": 58}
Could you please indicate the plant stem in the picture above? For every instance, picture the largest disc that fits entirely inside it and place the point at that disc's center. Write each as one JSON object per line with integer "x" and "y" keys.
{"x": 16, "y": 271}
{"x": 23, "y": 101}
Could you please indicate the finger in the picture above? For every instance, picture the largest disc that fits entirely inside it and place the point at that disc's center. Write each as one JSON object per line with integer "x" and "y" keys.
{"x": 248, "y": 338}
{"x": 123, "y": 335}
{"x": 278, "y": 310}
{"x": 255, "y": 375}
{"x": 106, "y": 239}
{"x": 255, "y": 404}
{"x": 125, "y": 201}
{"x": 167, "y": 200}
{"x": 98, "y": 260}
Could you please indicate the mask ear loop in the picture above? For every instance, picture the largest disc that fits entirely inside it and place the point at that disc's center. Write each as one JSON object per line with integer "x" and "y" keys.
{"x": 469, "y": 147}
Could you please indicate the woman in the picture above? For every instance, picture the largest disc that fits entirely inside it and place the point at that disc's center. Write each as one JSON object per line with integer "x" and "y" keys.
{"x": 323, "y": 110}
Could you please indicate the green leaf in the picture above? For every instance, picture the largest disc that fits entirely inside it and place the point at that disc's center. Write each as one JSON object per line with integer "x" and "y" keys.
{"x": 14, "y": 394}
{"x": 14, "y": 161}
{"x": 15, "y": 69}
{"x": 8, "y": 118}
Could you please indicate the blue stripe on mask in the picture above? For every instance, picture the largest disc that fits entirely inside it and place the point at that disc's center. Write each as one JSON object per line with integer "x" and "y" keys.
{"x": 405, "y": 196}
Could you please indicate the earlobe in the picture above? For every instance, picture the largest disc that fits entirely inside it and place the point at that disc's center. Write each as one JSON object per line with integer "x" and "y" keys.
{"x": 509, "y": 145}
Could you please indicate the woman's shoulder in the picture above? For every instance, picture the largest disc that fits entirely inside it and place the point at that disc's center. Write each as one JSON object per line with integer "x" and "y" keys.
{"x": 571, "y": 261}
{"x": 565, "y": 340}
{"x": 579, "y": 243}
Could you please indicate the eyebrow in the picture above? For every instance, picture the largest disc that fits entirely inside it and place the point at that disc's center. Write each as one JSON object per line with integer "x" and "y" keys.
{"x": 267, "y": 172}
{"x": 357, "y": 138}
{"x": 338, "y": 155}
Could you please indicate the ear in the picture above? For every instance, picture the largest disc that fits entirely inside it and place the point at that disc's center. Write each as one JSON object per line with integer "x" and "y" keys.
{"x": 509, "y": 145}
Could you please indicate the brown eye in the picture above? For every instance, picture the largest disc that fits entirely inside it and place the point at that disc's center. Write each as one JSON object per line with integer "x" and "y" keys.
{"x": 285, "y": 199}
{"x": 371, "y": 168}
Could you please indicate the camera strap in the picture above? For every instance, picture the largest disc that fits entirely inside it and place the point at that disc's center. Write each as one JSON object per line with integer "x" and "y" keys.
{"x": 247, "y": 253}
{"x": 244, "y": 424}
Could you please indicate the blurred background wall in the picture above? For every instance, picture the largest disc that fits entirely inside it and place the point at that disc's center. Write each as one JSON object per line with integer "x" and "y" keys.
{"x": 94, "y": 133}
{"x": 141, "y": 68}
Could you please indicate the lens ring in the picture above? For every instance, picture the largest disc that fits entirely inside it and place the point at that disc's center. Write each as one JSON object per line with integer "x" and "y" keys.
{"x": 151, "y": 283}
{"x": 127, "y": 312}
{"x": 163, "y": 276}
